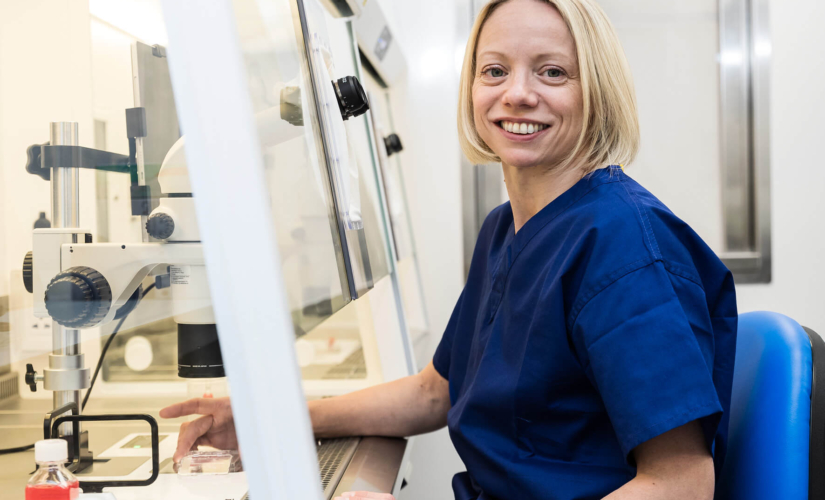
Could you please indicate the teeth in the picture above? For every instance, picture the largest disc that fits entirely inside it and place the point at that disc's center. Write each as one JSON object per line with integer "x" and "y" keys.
{"x": 522, "y": 128}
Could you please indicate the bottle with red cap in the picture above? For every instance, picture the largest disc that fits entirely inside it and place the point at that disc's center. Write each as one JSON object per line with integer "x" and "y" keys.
{"x": 52, "y": 480}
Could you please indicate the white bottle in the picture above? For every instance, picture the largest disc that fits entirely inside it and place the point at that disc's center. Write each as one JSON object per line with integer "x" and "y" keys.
{"x": 52, "y": 480}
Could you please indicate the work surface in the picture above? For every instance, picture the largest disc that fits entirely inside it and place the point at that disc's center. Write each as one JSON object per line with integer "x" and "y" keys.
{"x": 375, "y": 465}
{"x": 21, "y": 423}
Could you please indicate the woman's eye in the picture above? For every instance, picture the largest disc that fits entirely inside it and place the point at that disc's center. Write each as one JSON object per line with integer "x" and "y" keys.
{"x": 494, "y": 72}
{"x": 554, "y": 73}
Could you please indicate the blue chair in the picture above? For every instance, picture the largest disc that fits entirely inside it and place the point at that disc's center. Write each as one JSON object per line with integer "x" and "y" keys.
{"x": 776, "y": 444}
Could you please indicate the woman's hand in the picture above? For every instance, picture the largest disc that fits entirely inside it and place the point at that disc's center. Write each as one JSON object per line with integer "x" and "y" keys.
{"x": 364, "y": 495}
{"x": 215, "y": 428}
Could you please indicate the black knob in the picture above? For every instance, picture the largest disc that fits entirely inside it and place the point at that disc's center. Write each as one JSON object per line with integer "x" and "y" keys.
{"x": 34, "y": 162}
{"x": 28, "y": 272}
{"x": 160, "y": 226}
{"x": 30, "y": 377}
{"x": 79, "y": 297}
{"x": 352, "y": 100}
{"x": 393, "y": 144}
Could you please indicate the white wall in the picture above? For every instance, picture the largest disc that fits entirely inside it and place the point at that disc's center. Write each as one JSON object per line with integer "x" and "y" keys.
{"x": 798, "y": 177}
{"x": 4, "y": 268}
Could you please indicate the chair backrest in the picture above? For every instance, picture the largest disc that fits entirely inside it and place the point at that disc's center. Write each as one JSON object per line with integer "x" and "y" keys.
{"x": 775, "y": 443}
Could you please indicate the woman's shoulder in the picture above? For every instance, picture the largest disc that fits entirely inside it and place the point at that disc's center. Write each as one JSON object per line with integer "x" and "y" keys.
{"x": 627, "y": 225}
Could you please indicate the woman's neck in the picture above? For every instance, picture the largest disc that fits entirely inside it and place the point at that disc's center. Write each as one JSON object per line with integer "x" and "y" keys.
{"x": 531, "y": 189}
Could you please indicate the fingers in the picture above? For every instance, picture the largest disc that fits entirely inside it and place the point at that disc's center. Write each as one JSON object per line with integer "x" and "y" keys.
{"x": 189, "y": 434}
{"x": 364, "y": 495}
{"x": 197, "y": 406}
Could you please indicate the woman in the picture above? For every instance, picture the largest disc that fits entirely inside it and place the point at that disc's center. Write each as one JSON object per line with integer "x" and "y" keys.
{"x": 591, "y": 352}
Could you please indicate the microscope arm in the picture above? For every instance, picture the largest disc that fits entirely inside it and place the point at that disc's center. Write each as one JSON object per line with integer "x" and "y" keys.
{"x": 112, "y": 271}
{"x": 126, "y": 265}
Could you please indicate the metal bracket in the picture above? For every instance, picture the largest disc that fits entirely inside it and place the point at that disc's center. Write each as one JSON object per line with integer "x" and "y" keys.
{"x": 79, "y": 455}
{"x": 50, "y": 431}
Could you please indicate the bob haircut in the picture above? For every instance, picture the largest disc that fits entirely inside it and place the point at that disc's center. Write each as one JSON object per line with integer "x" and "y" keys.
{"x": 610, "y": 130}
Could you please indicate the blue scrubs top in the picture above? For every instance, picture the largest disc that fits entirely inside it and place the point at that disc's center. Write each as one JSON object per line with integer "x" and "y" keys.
{"x": 604, "y": 322}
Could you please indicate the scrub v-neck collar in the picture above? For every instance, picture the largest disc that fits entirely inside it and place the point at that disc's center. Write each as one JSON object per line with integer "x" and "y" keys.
{"x": 515, "y": 243}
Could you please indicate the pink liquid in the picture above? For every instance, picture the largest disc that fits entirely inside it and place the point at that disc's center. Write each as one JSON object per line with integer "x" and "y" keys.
{"x": 53, "y": 491}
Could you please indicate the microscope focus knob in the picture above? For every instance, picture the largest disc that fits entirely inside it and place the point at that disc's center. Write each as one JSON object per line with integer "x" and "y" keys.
{"x": 160, "y": 226}
{"x": 352, "y": 100}
{"x": 28, "y": 272}
{"x": 79, "y": 297}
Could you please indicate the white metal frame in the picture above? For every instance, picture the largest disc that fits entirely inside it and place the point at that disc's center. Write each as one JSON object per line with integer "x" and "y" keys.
{"x": 406, "y": 338}
{"x": 250, "y": 305}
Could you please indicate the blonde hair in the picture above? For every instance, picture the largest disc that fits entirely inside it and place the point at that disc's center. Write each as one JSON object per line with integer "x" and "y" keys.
{"x": 610, "y": 130}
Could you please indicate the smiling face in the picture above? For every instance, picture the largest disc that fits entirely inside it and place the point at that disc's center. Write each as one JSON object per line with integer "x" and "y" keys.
{"x": 527, "y": 93}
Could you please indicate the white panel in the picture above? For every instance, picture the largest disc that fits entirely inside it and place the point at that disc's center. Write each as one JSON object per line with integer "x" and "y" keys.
{"x": 387, "y": 330}
{"x": 236, "y": 225}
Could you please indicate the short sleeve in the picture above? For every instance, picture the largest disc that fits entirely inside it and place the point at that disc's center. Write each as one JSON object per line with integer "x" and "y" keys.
{"x": 443, "y": 353}
{"x": 648, "y": 363}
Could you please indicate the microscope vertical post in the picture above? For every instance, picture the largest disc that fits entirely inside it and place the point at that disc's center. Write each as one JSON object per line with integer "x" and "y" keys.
{"x": 65, "y": 181}
{"x": 65, "y": 184}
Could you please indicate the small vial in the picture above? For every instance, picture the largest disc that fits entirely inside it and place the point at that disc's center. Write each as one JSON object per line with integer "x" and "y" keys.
{"x": 52, "y": 480}
{"x": 207, "y": 462}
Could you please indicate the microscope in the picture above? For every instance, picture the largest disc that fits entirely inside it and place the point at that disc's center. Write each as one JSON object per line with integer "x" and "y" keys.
{"x": 81, "y": 284}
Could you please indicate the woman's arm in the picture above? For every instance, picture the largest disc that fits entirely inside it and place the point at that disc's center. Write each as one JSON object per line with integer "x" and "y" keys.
{"x": 673, "y": 466}
{"x": 409, "y": 406}
{"x": 405, "y": 407}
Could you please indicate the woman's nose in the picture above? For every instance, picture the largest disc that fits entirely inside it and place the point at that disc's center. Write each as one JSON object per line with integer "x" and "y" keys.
{"x": 520, "y": 93}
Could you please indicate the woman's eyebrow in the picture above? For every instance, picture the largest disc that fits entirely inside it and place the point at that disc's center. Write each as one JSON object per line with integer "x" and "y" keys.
{"x": 559, "y": 56}
{"x": 551, "y": 55}
{"x": 491, "y": 53}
